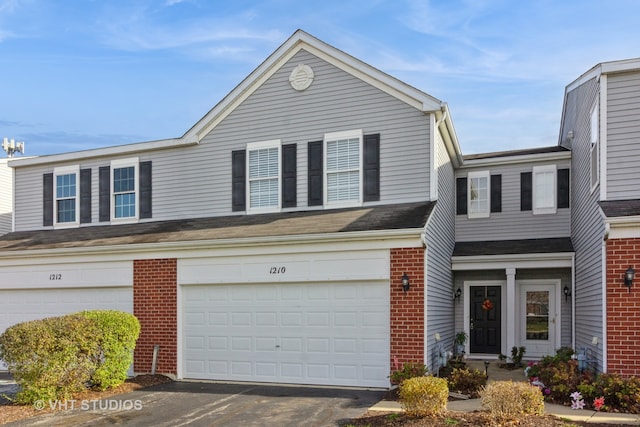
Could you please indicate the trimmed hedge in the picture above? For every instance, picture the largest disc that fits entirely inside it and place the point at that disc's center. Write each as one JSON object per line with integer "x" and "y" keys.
{"x": 120, "y": 332}
{"x": 54, "y": 358}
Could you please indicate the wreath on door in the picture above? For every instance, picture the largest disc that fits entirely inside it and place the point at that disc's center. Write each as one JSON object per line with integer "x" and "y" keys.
{"x": 487, "y": 305}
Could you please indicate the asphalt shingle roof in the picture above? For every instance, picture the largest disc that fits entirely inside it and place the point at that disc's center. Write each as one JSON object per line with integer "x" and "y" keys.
{"x": 382, "y": 217}
{"x": 513, "y": 247}
{"x": 617, "y": 208}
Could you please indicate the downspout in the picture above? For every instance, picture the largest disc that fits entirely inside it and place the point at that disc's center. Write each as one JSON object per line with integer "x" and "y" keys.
{"x": 573, "y": 301}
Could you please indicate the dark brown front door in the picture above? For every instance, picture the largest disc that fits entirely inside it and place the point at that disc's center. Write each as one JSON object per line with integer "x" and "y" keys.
{"x": 484, "y": 327}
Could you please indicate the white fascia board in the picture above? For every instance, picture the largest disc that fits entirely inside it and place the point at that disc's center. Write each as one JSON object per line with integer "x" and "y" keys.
{"x": 620, "y": 66}
{"x": 517, "y": 261}
{"x": 299, "y": 41}
{"x": 605, "y": 68}
{"x": 449, "y": 136}
{"x": 626, "y": 227}
{"x": 512, "y": 160}
{"x": 364, "y": 240}
{"x": 117, "y": 150}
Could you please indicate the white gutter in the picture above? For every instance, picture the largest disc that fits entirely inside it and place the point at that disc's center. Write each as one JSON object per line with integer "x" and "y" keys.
{"x": 511, "y": 160}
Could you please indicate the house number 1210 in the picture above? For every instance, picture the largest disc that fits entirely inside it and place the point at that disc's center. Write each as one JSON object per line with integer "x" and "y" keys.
{"x": 277, "y": 270}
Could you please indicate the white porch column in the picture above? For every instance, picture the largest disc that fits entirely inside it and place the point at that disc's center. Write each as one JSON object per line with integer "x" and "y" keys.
{"x": 510, "y": 303}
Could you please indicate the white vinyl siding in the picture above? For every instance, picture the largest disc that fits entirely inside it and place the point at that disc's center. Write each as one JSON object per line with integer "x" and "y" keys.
{"x": 544, "y": 189}
{"x": 124, "y": 190}
{"x": 263, "y": 164}
{"x": 343, "y": 165}
{"x": 6, "y": 197}
{"x": 478, "y": 194}
{"x": 66, "y": 187}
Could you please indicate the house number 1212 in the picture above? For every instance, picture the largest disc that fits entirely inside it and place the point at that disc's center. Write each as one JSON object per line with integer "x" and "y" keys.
{"x": 56, "y": 276}
{"x": 277, "y": 270}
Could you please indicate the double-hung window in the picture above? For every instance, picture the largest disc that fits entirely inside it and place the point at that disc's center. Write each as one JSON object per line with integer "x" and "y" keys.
{"x": 124, "y": 189}
{"x": 478, "y": 194}
{"x": 343, "y": 166}
{"x": 67, "y": 201}
{"x": 544, "y": 189}
{"x": 263, "y": 165}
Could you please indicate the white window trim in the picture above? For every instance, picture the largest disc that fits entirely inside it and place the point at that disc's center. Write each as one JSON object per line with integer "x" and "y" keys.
{"x": 544, "y": 169}
{"x": 66, "y": 170}
{"x": 124, "y": 163}
{"x": 356, "y": 133}
{"x": 274, "y": 143}
{"x": 594, "y": 149}
{"x": 487, "y": 176}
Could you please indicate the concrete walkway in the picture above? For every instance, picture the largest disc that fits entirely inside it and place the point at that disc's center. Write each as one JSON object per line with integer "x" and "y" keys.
{"x": 560, "y": 411}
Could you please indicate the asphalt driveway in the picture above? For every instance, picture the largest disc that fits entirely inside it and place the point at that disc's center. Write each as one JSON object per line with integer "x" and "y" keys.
{"x": 211, "y": 404}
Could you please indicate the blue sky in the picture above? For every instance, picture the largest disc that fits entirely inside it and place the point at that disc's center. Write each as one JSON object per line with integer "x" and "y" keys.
{"x": 77, "y": 75}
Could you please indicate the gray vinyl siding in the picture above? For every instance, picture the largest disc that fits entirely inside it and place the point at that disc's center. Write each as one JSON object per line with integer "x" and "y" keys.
{"x": 512, "y": 223}
{"x": 195, "y": 181}
{"x": 623, "y": 133}
{"x": 6, "y": 197}
{"x": 440, "y": 242}
{"x": 587, "y": 226}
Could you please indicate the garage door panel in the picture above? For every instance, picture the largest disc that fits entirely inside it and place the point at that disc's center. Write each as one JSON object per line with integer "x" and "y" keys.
{"x": 313, "y": 333}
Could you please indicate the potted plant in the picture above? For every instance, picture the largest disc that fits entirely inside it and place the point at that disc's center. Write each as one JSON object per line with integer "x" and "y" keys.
{"x": 460, "y": 341}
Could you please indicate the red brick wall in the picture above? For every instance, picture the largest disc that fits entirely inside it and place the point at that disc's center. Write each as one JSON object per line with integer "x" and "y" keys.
{"x": 623, "y": 308}
{"x": 155, "y": 287}
{"x": 407, "y": 308}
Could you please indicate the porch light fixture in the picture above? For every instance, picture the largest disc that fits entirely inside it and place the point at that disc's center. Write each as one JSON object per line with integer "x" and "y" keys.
{"x": 629, "y": 275}
{"x": 567, "y": 293}
{"x": 456, "y": 295}
{"x": 405, "y": 282}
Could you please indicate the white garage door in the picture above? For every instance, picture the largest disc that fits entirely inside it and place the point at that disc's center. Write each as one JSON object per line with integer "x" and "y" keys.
{"x": 312, "y": 333}
{"x": 30, "y": 304}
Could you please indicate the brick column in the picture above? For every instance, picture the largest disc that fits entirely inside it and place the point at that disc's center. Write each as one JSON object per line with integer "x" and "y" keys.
{"x": 407, "y": 308}
{"x": 623, "y": 308}
{"x": 155, "y": 305}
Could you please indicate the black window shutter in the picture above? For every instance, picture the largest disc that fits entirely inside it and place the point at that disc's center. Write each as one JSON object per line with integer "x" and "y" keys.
{"x": 238, "y": 180}
{"x": 315, "y": 171}
{"x": 145, "y": 189}
{"x": 85, "y": 196}
{"x": 371, "y": 168}
{"x": 563, "y": 188}
{"x": 289, "y": 176}
{"x": 47, "y": 199}
{"x": 104, "y": 196}
{"x": 461, "y": 196}
{"x": 526, "y": 191}
{"x": 496, "y": 193}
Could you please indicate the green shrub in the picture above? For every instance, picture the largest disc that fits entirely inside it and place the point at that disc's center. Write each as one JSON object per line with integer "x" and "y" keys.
{"x": 409, "y": 370}
{"x": 117, "y": 340}
{"x": 509, "y": 400}
{"x": 466, "y": 381}
{"x": 50, "y": 358}
{"x": 422, "y": 396}
{"x": 620, "y": 394}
